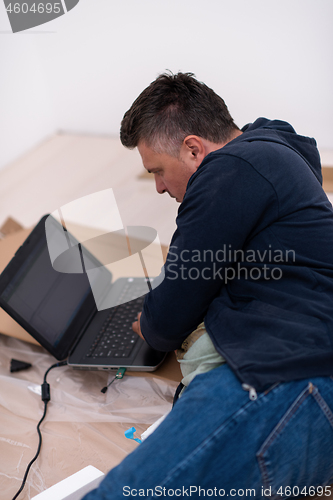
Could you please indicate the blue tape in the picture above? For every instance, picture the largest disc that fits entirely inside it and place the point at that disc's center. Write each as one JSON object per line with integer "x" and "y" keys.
{"x": 129, "y": 434}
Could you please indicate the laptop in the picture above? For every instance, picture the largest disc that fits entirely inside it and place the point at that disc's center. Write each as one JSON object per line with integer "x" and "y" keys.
{"x": 59, "y": 309}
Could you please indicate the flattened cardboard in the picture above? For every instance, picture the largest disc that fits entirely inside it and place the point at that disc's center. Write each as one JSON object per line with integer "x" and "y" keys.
{"x": 10, "y": 226}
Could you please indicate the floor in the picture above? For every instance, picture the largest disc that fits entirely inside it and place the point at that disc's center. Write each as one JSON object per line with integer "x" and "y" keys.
{"x": 64, "y": 168}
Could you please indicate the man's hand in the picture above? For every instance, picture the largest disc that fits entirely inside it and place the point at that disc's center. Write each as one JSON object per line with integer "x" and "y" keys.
{"x": 136, "y": 327}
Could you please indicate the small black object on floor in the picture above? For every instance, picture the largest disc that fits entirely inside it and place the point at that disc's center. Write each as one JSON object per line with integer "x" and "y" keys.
{"x": 17, "y": 366}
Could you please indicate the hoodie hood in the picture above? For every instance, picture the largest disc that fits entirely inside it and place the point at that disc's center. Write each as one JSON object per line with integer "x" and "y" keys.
{"x": 283, "y": 133}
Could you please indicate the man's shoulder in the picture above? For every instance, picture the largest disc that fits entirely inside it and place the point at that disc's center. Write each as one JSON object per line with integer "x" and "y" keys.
{"x": 239, "y": 158}
{"x": 253, "y": 165}
{"x": 278, "y": 159}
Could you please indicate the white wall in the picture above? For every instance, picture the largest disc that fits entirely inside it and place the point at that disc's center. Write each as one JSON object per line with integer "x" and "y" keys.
{"x": 264, "y": 57}
{"x": 26, "y": 115}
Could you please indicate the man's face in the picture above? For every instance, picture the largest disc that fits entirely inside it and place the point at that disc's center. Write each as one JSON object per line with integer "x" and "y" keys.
{"x": 171, "y": 174}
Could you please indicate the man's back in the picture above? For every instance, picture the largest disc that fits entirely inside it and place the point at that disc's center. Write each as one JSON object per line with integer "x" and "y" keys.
{"x": 252, "y": 255}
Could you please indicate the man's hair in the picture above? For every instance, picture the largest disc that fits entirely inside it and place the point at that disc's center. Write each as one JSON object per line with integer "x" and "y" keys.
{"x": 173, "y": 107}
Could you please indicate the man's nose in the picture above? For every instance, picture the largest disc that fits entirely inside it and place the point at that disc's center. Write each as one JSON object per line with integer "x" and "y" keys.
{"x": 160, "y": 186}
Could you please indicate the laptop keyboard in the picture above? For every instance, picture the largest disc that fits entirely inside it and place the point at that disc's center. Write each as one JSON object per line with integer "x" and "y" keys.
{"x": 116, "y": 338}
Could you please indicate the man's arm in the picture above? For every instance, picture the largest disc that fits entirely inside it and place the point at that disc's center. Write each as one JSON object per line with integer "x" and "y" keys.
{"x": 226, "y": 202}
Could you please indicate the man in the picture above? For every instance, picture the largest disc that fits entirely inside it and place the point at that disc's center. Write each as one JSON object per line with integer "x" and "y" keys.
{"x": 252, "y": 259}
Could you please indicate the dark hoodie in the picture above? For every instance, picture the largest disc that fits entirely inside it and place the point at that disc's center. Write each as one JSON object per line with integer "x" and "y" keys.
{"x": 252, "y": 257}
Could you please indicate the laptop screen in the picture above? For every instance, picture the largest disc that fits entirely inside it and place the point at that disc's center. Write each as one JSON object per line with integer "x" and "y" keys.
{"x": 50, "y": 305}
{"x": 48, "y": 300}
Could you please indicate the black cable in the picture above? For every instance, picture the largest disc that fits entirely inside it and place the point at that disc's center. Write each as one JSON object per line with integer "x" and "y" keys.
{"x": 45, "y": 398}
{"x": 107, "y": 386}
{"x": 120, "y": 373}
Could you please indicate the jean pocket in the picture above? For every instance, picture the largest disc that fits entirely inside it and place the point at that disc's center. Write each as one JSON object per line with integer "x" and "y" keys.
{"x": 298, "y": 453}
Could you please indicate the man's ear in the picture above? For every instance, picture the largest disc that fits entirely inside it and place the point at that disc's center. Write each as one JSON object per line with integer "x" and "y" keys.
{"x": 194, "y": 149}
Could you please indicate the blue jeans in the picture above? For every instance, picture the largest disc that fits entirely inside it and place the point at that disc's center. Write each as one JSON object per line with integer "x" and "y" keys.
{"x": 217, "y": 442}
